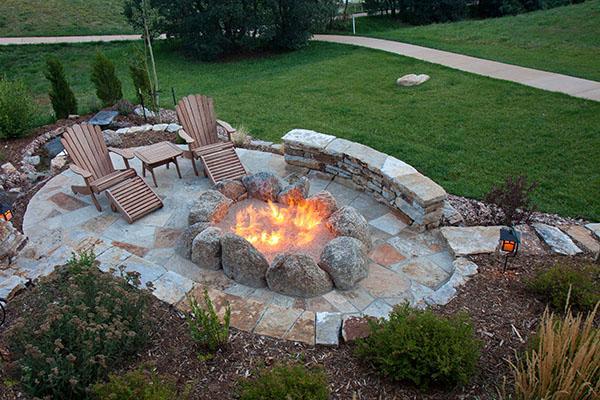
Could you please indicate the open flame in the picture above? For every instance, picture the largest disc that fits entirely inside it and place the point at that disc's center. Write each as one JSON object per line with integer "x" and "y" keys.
{"x": 277, "y": 227}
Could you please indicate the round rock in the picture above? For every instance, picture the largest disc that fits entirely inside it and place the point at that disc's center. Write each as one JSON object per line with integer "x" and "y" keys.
{"x": 298, "y": 275}
{"x": 242, "y": 262}
{"x": 184, "y": 243}
{"x": 324, "y": 203}
{"x": 348, "y": 222}
{"x": 231, "y": 188}
{"x": 345, "y": 260}
{"x": 295, "y": 192}
{"x": 210, "y": 206}
{"x": 206, "y": 248}
{"x": 263, "y": 185}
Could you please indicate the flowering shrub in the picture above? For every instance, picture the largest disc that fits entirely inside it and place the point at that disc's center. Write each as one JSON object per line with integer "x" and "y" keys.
{"x": 87, "y": 321}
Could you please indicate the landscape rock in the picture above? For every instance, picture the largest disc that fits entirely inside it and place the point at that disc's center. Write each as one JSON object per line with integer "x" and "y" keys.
{"x": 347, "y": 221}
{"x": 298, "y": 275}
{"x": 471, "y": 239}
{"x": 327, "y": 328}
{"x": 184, "y": 243}
{"x": 263, "y": 185}
{"x": 584, "y": 237}
{"x": 173, "y": 128}
{"x": 530, "y": 242}
{"x": 210, "y": 206}
{"x": 159, "y": 127}
{"x": 465, "y": 267}
{"x": 58, "y": 163}
{"x": 558, "y": 241}
{"x": 295, "y": 192}
{"x": 8, "y": 168}
{"x": 231, "y": 188}
{"x": 345, "y": 260}
{"x": 139, "y": 111}
{"x": 242, "y": 262}
{"x": 354, "y": 328}
{"x": 206, "y": 248}
{"x": 412, "y": 80}
{"x": 112, "y": 138}
{"x": 11, "y": 241}
{"x": 11, "y": 286}
{"x": 324, "y": 203}
{"x": 33, "y": 160}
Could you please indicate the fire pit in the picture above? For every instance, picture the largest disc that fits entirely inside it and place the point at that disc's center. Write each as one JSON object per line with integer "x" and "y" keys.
{"x": 264, "y": 233}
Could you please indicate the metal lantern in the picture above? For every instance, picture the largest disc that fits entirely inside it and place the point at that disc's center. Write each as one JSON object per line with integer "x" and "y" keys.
{"x": 509, "y": 243}
{"x": 5, "y": 212}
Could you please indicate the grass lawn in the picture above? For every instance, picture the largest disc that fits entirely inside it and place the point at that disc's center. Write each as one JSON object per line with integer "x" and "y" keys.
{"x": 564, "y": 39}
{"x": 465, "y": 131}
{"x": 62, "y": 17}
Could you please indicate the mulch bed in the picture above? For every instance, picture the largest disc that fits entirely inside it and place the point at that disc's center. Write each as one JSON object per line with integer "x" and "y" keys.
{"x": 505, "y": 315}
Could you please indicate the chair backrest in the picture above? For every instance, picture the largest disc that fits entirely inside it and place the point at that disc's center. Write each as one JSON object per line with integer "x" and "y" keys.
{"x": 196, "y": 114}
{"x": 86, "y": 147}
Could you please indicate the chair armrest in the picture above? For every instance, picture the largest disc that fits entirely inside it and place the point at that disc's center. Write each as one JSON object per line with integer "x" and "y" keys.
{"x": 183, "y": 134}
{"x": 80, "y": 171}
{"x": 125, "y": 153}
{"x": 226, "y": 126}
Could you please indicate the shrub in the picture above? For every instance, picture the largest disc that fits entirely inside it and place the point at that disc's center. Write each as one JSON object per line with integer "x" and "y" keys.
{"x": 124, "y": 107}
{"x": 418, "y": 346}
{"x": 565, "y": 362}
{"x": 205, "y": 326}
{"x": 138, "y": 69}
{"x": 419, "y": 12}
{"x": 562, "y": 283}
{"x": 513, "y": 198}
{"x": 87, "y": 322}
{"x": 213, "y": 28}
{"x": 136, "y": 385}
{"x": 17, "y": 109}
{"x": 108, "y": 86}
{"x": 498, "y": 8}
{"x": 289, "y": 382}
{"x": 62, "y": 97}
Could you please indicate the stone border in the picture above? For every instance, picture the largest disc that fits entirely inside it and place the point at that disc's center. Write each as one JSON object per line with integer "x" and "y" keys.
{"x": 390, "y": 180}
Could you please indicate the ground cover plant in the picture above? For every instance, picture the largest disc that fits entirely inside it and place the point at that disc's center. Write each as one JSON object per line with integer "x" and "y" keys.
{"x": 206, "y": 328}
{"x": 87, "y": 323}
{"x": 563, "y": 39}
{"x": 422, "y": 348}
{"x": 466, "y": 132}
{"x": 139, "y": 384}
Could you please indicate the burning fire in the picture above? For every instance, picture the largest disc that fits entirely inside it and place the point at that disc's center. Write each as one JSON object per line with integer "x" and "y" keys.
{"x": 276, "y": 227}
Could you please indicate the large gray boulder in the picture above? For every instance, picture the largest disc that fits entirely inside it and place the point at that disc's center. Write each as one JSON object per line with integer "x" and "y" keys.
{"x": 206, "y": 248}
{"x": 211, "y": 206}
{"x": 242, "y": 262}
{"x": 232, "y": 188}
{"x": 295, "y": 192}
{"x": 348, "y": 222}
{"x": 184, "y": 243}
{"x": 345, "y": 260}
{"x": 298, "y": 275}
{"x": 324, "y": 203}
{"x": 263, "y": 185}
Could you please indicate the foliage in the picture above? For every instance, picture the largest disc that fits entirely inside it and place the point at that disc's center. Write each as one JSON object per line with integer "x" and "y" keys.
{"x": 136, "y": 10}
{"x": 86, "y": 322}
{"x": 213, "y": 28}
{"x": 138, "y": 384}
{"x": 514, "y": 199}
{"x": 124, "y": 107}
{"x": 498, "y": 8}
{"x": 421, "y": 347}
{"x": 17, "y": 109}
{"x": 140, "y": 76}
{"x": 289, "y": 382}
{"x": 578, "y": 285}
{"x": 62, "y": 97}
{"x": 565, "y": 362}
{"x": 108, "y": 86}
{"x": 419, "y": 12}
{"x": 205, "y": 325}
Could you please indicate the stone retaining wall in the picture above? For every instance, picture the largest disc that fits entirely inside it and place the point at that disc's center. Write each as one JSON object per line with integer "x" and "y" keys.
{"x": 387, "y": 178}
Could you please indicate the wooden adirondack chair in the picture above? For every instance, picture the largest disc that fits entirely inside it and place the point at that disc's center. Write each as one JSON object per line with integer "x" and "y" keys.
{"x": 197, "y": 116}
{"x": 91, "y": 160}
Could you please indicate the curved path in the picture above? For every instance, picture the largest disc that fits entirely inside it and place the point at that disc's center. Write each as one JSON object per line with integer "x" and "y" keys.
{"x": 550, "y": 81}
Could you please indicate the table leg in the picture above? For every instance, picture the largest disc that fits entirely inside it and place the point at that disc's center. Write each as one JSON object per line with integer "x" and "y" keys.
{"x": 177, "y": 166}
{"x": 144, "y": 170}
{"x": 153, "y": 177}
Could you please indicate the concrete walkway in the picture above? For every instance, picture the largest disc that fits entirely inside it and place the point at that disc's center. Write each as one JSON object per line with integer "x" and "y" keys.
{"x": 553, "y": 82}
{"x": 69, "y": 39}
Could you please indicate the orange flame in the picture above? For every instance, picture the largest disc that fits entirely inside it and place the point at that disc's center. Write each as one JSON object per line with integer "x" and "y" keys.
{"x": 276, "y": 227}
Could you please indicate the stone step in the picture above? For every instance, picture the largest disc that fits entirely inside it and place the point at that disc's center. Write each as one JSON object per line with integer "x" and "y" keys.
{"x": 558, "y": 241}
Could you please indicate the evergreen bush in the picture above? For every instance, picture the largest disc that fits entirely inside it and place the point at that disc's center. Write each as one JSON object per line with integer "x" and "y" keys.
{"x": 62, "y": 97}
{"x": 138, "y": 384}
{"x": 104, "y": 77}
{"x": 138, "y": 69}
{"x": 18, "y": 112}
{"x": 289, "y": 382}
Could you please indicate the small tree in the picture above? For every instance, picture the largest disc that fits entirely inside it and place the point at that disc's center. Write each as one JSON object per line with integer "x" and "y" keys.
{"x": 18, "y": 111}
{"x": 138, "y": 69}
{"x": 514, "y": 199}
{"x": 62, "y": 97}
{"x": 108, "y": 86}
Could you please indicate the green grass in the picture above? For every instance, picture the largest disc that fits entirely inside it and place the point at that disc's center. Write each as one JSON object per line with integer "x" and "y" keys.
{"x": 62, "y": 17}
{"x": 465, "y": 131}
{"x": 564, "y": 39}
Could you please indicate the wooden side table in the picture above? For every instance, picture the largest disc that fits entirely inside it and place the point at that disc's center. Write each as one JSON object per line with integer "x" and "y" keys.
{"x": 158, "y": 154}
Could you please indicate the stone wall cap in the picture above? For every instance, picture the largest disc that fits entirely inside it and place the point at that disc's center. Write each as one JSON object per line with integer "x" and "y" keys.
{"x": 393, "y": 168}
{"x": 425, "y": 190}
{"x": 307, "y": 138}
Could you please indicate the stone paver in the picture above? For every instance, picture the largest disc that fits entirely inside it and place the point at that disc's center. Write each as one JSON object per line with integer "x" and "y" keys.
{"x": 388, "y": 223}
{"x": 327, "y": 327}
{"x": 381, "y": 282}
{"x": 576, "y": 87}
{"x": 530, "y": 242}
{"x": 172, "y": 287}
{"x": 277, "y": 321}
{"x": 385, "y": 254}
{"x": 303, "y": 329}
{"x": 472, "y": 240}
{"x": 594, "y": 228}
{"x": 425, "y": 272}
{"x": 584, "y": 237}
{"x": 558, "y": 241}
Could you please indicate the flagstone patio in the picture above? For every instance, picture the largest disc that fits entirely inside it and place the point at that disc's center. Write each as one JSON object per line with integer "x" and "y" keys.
{"x": 405, "y": 265}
